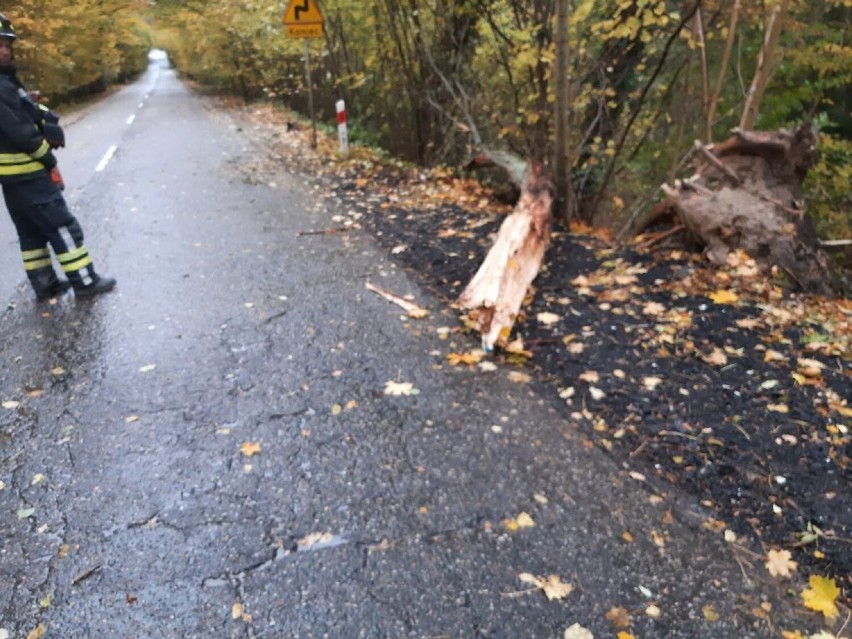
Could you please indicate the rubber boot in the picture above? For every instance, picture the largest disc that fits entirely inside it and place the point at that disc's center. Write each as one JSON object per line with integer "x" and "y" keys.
{"x": 46, "y": 284}
{"x": 78, "y": 266}
{"x": 98, "y": 286}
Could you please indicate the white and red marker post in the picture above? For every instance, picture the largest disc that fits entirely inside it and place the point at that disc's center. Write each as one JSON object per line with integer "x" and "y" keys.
{"x": 342, "y": 132}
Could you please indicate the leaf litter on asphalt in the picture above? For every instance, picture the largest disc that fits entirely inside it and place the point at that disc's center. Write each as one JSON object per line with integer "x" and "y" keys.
{"x": 398, "y": 389}
{"x": 250, "y": 449}
{"x": 552, "y": 586}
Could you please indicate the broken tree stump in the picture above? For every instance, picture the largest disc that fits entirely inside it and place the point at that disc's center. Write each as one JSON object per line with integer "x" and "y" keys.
{"x": 497, "y": 291}
{"x": 746, "y": 194}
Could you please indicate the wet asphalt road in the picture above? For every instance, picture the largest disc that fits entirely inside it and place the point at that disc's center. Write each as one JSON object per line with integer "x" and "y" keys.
{"x": 130, "y": 509}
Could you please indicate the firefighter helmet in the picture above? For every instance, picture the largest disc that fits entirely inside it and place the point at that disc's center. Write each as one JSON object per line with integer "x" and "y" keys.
{"x": 6, "y": 28}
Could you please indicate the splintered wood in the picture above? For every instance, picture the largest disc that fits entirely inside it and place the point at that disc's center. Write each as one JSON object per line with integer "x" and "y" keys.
{"x": 496, "y": 292}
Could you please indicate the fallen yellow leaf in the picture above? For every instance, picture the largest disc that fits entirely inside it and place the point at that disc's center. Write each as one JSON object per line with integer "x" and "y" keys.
{"x": 821, "y": 595}
{"x": 250, "y": 448}
{"x": 724, "y": 297}
{"x": 577, "y": 632}
{"x": 516, "y": 523}
{"x": 37, "y": 632}
{"x": 653, "y": 308}
{"x": 400, "y": 388}
{"x": 748, "y": 323}
{"x": 618, "y": 617}
{"x": 710, "y": 613}
{"x": 825, "y": 634}
{"x": 810, "y": 367}
{"x": 780, "y": 563}
{"x": 516, "y": 347}
{"x": 528, "y": 578}
{"x": 778, "y": 408}
{"x": 552, "y": 586}
{"x": 651, "y": 383}
{"x": 717, "y": 357}
{"x": 315, "y": 539}
{"x": 591, "y": 377}
{"x": 576, "y": 348}
{"x": 596, "y": 393}
{"x": 470, "y": 359}
{"x": 548, "y": 318}
{"x": 555, "y": 588}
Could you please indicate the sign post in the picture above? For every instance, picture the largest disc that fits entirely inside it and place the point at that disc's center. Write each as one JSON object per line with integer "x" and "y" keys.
{"x": 304, "y": 20}
{"x": 342, "y": 131}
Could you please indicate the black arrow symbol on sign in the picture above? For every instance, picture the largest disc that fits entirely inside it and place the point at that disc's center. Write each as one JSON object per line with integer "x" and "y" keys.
{"x": 302, "y": 7}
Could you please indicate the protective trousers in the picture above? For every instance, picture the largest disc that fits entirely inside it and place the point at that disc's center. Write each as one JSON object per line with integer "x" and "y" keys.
{"x": 43, "y": 220}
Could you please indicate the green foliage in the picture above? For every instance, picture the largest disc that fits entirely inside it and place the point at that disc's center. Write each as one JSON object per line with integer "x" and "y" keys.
{"x": 237, "y": 47}
{"x": 429, "y": 80}
{"x": 68, "y": 48}
{"x": 827, "y": 186}
{"x": 815, "y": 71}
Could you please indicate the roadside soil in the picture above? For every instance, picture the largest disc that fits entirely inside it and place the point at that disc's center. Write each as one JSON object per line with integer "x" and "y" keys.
{"x": 720, "y": 382}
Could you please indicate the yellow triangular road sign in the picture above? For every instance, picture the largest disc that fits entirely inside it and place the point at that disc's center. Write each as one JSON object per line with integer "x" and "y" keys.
{"x": 302, "y": 12}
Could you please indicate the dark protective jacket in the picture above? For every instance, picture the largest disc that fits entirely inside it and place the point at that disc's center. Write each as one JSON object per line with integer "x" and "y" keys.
{"x": 24, "y": 152}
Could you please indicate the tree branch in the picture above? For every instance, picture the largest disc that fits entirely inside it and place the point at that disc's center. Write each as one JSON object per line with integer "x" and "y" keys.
{"x": 645, "y": 90}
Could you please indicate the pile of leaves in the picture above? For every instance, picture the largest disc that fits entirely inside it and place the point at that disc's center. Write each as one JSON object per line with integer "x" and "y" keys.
{"x": 720, "y": 382}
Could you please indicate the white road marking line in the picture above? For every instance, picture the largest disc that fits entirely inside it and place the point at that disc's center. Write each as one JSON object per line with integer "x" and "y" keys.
{"x": 106, "y": 158}
{"x": 131, "y": 118}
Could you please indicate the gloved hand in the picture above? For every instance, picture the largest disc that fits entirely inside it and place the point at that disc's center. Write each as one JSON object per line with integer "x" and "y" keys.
{"x": 56, "y": 178}
{"x": 54, "y": 135}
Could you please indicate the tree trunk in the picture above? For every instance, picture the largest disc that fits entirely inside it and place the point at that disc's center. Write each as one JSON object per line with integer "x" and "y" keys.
{"x": 496, "y": 292}
{"x": 765, "y": 65}
{"x": 564, "y": 199}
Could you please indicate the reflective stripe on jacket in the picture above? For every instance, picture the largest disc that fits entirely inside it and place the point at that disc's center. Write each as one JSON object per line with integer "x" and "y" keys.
{"x": 24, "y": 152}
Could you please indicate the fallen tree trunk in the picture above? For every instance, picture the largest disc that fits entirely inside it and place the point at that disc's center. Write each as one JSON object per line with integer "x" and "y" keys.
{"x": 497, "y": 291}
{"x": 746, "y": 194}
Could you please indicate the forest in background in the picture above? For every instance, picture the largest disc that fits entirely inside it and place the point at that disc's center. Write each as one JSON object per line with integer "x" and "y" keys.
{"x": 429, "y": 81}
{"x": 71, "y": 49}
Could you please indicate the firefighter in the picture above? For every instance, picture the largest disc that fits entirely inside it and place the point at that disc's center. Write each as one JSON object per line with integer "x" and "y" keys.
{"x": 32, "y": 188}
